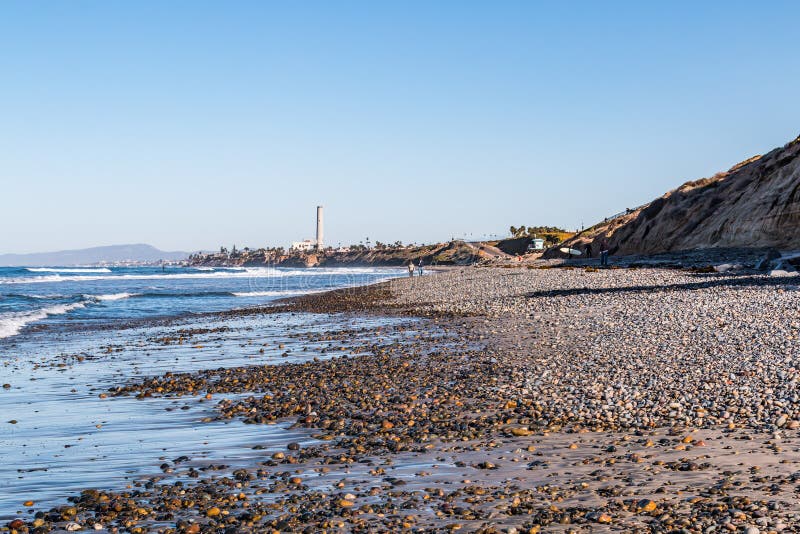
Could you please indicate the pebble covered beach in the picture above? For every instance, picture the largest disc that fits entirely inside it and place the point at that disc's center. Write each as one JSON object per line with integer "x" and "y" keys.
{"x": 560, "y": 399}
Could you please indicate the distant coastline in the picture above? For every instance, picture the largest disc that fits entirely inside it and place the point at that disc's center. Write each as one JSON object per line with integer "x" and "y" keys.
{"x": 451, "y": 253}
{"x": 134, "y": 254}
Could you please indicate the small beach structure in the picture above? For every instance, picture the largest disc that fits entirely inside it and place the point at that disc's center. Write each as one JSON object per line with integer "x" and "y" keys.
{"x": 536, "y": 243}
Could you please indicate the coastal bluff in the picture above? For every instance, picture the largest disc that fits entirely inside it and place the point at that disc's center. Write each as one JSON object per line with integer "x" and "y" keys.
{"x": 451, "y": 253}
{"x": 754, "y": 204}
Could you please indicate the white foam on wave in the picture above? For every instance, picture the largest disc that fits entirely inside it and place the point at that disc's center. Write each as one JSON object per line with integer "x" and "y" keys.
{"x": 65, "y": 270}
{"x": 12, "y": 323}
{"x": 323, "y": 271}
{"x": 251, "y": 272}
{"x": 275, "y": 293}
{"x": 207, "y": 268}
{"x": 111, "y": 296}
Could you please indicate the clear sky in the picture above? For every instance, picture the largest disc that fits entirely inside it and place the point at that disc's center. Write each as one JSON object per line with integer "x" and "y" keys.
{"x": 190, "y": 124}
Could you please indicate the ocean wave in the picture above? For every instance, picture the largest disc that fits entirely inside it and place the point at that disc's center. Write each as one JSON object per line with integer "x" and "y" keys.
{"x": 251, "y": 272}
{"x": 111, "y": 296}
{"x": 34, "y": 298}
{"x": 321, "y": 271}
{"x": 276, "y": 293}
{"x": 223, "y": 269}
{"x": 12, "y": 323}
{"x": 66, "y": 270}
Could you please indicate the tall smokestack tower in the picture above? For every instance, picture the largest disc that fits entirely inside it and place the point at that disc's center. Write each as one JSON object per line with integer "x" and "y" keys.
{"x": 319, "y": 227}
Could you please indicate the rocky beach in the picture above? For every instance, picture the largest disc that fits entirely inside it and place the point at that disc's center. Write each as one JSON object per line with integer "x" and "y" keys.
{"x": 400, "y": 267}
{"x": 547, "y": 399}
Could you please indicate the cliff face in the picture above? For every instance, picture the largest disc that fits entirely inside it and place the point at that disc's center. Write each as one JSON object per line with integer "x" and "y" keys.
{"x": 453, "y": 253}
{"x": 754, "y": 204}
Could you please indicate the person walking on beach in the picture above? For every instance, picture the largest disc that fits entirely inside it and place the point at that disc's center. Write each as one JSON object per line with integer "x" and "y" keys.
{"x": 419, "y": 267}
{"x": 604, "y": 252}
{"x": 411, "y": 269}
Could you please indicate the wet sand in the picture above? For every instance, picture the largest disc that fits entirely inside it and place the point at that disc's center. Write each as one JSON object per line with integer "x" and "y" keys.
{"x": 527, "y": 400}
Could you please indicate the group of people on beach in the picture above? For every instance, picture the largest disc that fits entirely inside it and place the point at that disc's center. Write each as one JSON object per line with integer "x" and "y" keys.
{"x": 412, "y": 268}
{"x": 603, "y": 251}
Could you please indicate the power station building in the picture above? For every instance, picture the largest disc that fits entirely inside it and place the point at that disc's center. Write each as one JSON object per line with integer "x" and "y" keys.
{"x": 308, "y": 245}
{"x": 319, "y": 228}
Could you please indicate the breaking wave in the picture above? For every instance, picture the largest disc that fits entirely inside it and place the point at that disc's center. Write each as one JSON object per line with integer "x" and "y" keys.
{"x": 284, "y": 293}
{"x": 111, "y": 296}
{"x": 252, "y": 272}
{"x": 66, "y": 270}
{"x": 11, "y": 323}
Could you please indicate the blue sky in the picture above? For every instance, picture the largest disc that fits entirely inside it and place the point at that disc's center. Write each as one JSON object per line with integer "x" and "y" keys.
{"x": 189, "y": 124}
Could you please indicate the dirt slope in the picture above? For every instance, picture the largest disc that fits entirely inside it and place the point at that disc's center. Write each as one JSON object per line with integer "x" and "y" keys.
{"x": 754, "y": 204}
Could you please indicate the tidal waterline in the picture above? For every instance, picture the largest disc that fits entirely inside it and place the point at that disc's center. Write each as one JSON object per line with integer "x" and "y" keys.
{"x": 61, "y": 430}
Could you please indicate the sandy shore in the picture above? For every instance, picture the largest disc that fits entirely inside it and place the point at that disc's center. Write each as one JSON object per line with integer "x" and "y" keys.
{"x": 527, "y": 400}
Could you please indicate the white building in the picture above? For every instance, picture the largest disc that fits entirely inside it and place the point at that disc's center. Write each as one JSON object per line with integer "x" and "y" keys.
{"x": 536, "y": 244}
{"x": 305, "y": 245}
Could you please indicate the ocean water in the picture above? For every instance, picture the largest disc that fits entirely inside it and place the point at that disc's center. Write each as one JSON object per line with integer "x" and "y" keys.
{"x": 56, "y": 297}
{"x": 68, "y": 335}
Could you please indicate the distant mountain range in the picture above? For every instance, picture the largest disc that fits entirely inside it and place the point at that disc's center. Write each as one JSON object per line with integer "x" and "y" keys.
{"x": 94, "y": 255}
